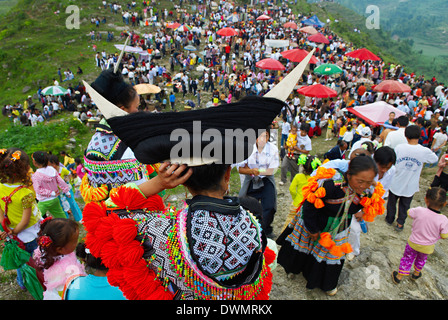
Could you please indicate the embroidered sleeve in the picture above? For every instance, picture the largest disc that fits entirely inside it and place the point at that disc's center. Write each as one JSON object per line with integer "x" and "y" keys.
{"x": 27, "y": 201}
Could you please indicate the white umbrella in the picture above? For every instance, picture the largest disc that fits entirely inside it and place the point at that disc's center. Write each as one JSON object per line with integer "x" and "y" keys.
{"x": 233, "y": 18}
{"x": 54, "y": 91}
{"x": 129, "y": 49}
{"x": 190, "y": 48}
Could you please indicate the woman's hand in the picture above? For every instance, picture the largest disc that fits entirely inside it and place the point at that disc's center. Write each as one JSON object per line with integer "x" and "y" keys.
{"x": 170, "y": 174}
{"x": 3, "y": 235}
{"x": 167, "y": 178}
{"x": 358, "y": 215}
{"x": 314, "y": 236}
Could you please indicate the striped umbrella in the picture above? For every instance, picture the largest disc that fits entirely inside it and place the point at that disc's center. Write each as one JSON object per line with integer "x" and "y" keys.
{"x": 183, "y": 28}
{"x": 54, "y": 91}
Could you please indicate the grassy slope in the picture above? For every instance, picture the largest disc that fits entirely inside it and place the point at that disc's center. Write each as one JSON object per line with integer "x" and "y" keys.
{"x": 380, "y": 42}
{"x": 421, "y": 26}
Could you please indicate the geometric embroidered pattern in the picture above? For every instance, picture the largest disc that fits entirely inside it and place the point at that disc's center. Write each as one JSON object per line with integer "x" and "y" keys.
{"x": 223, "y": 244}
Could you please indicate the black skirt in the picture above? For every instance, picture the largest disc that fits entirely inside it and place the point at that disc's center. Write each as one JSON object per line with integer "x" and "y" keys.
{"x": 318, "y": 275}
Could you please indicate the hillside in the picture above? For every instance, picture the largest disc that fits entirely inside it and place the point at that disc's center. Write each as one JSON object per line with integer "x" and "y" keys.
{"x": 411, "y": 19}
{"x": 419, "y": 30}
{"x": 36, "y": 42}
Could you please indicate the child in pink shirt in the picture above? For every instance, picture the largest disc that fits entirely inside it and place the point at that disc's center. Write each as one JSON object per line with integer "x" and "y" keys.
{"x": 48, "y": 185}
{"x": 428, "y": 227}
{"x": 80, "y": 171}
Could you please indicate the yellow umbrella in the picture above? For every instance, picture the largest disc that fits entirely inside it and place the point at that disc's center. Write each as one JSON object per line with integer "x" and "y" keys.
{"x": 146, "y": 88}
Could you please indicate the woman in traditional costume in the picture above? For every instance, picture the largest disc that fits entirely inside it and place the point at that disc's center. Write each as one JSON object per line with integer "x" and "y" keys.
{"x": 108, "y": 161}
{"x": 316, "y": 240}
{"x": 209, "y": 248}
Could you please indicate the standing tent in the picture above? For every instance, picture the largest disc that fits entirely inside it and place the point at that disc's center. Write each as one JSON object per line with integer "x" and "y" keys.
{"x": 314, "y": 21}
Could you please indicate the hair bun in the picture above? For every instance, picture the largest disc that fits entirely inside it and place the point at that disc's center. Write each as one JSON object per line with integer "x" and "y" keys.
{"x": 110, "y": 84}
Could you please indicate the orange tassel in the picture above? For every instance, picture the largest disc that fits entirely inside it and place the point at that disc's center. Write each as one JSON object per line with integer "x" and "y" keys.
{"x": 311, "y": 198}
{"x": 346, "y": 247}
{"x": 325, "y": 240}
{"x": 319, "y": 203}
{"x": 320, "y": 192}
{"x": 336, "y": 251}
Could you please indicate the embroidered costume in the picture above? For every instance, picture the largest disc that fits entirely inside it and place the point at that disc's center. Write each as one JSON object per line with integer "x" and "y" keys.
{"x": 151, "y": 255}
{"x": 109, "y": 163}
{"x": 328, "y": 206}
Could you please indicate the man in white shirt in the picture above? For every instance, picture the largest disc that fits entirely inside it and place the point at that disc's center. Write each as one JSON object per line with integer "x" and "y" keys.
{"x": 439, "y": 140}
{"x": 303, "y": 145}
{"x": 406, "y": 180}
{"x": 366, "y": 135}
{"x": 258, "y": 171}
{"x": 397, "y": 137}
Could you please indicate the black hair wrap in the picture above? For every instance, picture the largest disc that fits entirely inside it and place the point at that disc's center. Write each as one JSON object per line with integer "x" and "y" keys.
{"x": 110, "y": 85}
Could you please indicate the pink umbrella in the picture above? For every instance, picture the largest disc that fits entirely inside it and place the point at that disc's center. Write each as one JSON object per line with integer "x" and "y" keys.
{"x": 291, "y": 25}
{"x": 317, "y": 91}
{"x": 318, "y": 38}
{"x": 309, "y": 29}
{"x": 297, "y": 55}
{"x": 376, "y": 113}
{"x": 363, "y": 54}
{"x": 227, "y": 32}
{"x": 264, "y": 17}
{"x": 392, "y": 86}
{"x": 270, "y": 64}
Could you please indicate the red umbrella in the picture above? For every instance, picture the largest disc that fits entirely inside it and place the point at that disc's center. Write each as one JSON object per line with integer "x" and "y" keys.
{"x": 264, "y": 17}
{"x": 227, "y": 32}
{"x": 318, "y": 38}
{"x": 270, "y": 64}
{"x": 291, "y": 25}
{"x": 392, "y": 86}
{"x": 173, "y": 25}
{"x": 362, "y": 54}
{"x": 318, "y": 91}
{"x": 297, "y": 55}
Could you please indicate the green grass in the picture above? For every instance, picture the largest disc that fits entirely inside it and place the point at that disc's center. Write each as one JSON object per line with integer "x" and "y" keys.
{"x": 6, "y": 5}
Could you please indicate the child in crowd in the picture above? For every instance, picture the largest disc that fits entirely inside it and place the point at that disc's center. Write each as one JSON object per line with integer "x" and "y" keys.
{"x": 55, "y": 256}
{"x": 46, "y": 182}
{"x": 19, "y": 215}
{"x": 310, "y": 163}
{"x": 94, "y": 285}
{"x": 330, "y": 125}
{"x": 68, "y": 204}
{"x": 69, "y": 162}
{"x": 428, "y": 227}
{"x": 291, "y": 142}
{"x": 80, "y": 171}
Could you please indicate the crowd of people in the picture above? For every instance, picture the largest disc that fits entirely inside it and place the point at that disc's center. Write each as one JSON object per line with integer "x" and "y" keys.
{"x": 334, "y": 195}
